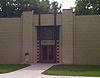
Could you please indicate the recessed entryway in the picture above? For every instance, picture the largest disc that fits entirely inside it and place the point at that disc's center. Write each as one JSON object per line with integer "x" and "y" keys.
{"x": 47, "y": 37}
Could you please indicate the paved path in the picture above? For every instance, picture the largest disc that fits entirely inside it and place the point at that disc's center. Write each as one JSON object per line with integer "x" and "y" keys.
{"x": 34, "y": 71}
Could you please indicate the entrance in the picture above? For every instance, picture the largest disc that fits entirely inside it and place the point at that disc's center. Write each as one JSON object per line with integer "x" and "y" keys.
{"x": 48, "y": 54}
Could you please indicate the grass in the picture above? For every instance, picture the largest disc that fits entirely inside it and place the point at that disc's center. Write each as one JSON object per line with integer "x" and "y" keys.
{"x": 6, "y": 68}
{"x": 73, "y": 70}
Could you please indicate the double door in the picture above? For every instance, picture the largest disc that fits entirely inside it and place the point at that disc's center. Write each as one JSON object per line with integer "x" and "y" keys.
{"x": 48, "y": 54}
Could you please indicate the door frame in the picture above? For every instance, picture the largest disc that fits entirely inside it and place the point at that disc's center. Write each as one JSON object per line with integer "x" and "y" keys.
{"x": 48, "y": 54}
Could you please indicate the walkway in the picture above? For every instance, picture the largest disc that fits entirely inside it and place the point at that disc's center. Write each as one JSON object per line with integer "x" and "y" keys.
{"x": 34, "y": 71}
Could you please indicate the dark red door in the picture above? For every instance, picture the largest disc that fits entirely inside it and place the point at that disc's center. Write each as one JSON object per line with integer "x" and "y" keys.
{"x": 48, "y": 54}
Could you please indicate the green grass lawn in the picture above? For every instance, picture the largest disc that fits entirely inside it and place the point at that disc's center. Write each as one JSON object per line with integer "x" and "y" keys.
{"x": 5, "y": 68}
{"x": 73, "y": 70}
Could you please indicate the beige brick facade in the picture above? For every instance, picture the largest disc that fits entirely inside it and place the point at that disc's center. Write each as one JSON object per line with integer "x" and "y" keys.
{"x": 10, "y": 40}
{"x": 79, "y": 38}
{"x": 87, "y": 40}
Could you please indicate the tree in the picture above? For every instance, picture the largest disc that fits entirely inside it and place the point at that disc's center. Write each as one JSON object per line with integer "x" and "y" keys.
{"x": 84, "y": 7}
{"x": 13, "y": 8}
{"x": 55, "y": 7}
{"x": 41, "y": 6}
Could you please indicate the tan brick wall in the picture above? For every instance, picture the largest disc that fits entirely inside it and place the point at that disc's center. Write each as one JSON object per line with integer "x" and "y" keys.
{"x": 87, "y": 40}
{"x": 47, "y": 19}
{"x": 35, "y": 19}
{"x": 67, "y": 37}
{"x": 10, "y": 40}
{"x": 34, "y": 42}
{"x": 28, "y": 36}
{"x": 59, "y": 19}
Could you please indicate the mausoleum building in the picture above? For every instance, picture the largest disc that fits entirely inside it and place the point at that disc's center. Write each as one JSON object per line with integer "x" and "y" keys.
{"x": 50, "y": 38}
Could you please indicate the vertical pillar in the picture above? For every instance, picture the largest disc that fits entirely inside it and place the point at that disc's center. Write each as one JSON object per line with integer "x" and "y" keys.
{"x": 67, "y": 36}
{"x": 34, "y": 53}
{"x": 27, "y": 35}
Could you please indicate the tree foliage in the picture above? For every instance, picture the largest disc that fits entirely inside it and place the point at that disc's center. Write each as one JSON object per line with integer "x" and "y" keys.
{"x": 13, "y": 8}
{"x": 56, "y": 7}
{"x": 84, "y": 7}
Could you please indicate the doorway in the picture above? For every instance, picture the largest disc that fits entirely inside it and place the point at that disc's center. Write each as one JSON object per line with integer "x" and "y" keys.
{"x": 48, "y": 54}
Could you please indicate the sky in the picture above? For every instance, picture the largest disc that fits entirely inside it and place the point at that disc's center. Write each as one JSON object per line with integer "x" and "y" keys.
{"x": 66, "y": 4}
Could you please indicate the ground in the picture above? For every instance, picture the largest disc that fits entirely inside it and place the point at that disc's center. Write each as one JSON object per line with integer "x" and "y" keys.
{"x": 34, "y": 71}
{"x": 74, "y": 70}
{"x": 5, "y": 68}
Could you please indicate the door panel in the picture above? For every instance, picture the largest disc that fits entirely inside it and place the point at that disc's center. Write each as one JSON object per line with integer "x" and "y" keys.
{"x": 48, "y": 54}
{"x": 51, "y": 52}
{"x": 44, "y": 52}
